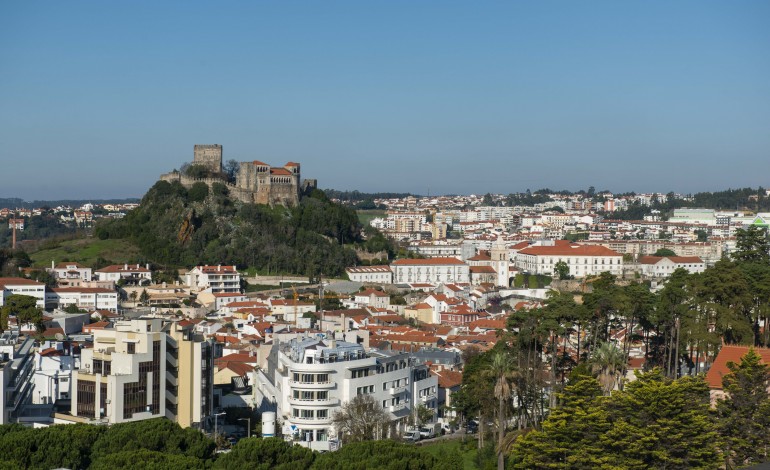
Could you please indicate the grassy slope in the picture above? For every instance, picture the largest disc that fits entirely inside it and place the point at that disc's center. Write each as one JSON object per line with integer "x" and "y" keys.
{"x": 367, "y": 215}
{"x": 86, "y": 251}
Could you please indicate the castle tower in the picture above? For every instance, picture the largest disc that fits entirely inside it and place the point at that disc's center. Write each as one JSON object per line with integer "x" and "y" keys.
{"x": 209, "y": 156}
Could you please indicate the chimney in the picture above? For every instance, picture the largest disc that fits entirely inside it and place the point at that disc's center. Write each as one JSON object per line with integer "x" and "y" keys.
{"x": 52, "y": 265}
{"x": 147, "y": 266}
{"x": 125, "y": 267}
{"x": 219, "y": 267}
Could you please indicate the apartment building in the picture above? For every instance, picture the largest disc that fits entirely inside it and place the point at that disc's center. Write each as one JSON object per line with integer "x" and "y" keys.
{"x": 17, "y": 366}
{"x": 309, "y": 379}
{"x": 85, "y": 298}
{"x": 141, "y": 369}
{"x": 20, "y": 286}
{"x": 218, "y": 279}
{"x": 131, "y": 274}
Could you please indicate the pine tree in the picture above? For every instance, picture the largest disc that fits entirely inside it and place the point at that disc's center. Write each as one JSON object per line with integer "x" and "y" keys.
{"x": 744, "y": 414}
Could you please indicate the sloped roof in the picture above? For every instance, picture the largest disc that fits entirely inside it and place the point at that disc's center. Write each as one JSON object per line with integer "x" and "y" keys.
{"x": 730, "y": 354}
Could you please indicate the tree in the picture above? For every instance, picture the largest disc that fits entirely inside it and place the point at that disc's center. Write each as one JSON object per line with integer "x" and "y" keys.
{"x": 24, "y": 308}
{"x": 607, "y": 362}
{"x": 266, "y": 454}
{"x": 664, "y": 252}
{"x": 562, "y": 269}
{"x": 360, "y": 419}
{"x": 231, "y": 168}
{"x": 422, "y": 415}
{"x": 570, "y": 437}
{"x": 501, "y": 371}
{"x": 744, "y": 413}
{"x": 133, "y": 295}
{"x": 661, "y": 423}
{"x": 144, "y": 297}
{"x": 752, "y": 245}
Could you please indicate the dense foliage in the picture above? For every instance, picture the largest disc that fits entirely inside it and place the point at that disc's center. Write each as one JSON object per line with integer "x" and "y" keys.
{"x": 309, "y": 239}
{"x": 161, "y": 444}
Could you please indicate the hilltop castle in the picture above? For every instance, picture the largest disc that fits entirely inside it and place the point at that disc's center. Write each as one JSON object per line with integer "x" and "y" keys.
{"x": 255, "y": 182}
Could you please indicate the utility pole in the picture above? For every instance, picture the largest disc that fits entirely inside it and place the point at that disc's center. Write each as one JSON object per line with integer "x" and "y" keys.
{"x": 248, "y": 430}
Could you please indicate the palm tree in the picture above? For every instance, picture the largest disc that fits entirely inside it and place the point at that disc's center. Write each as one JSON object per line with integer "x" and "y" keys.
{"x": 607, "y": 361}
{"x": 501, "y": 370}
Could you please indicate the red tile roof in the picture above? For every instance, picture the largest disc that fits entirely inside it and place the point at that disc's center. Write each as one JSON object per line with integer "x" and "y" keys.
{"x": 570, "y": 250}
{"x": 428, "y": 261}
{"x": 731, "y": 354}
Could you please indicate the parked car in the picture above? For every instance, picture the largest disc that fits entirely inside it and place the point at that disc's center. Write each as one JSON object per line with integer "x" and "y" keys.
{"x": 472, "y": 427}
{"x": 412, "y": 435}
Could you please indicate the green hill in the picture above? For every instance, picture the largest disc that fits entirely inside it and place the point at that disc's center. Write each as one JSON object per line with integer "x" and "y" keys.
{"x": 174, "y": 226}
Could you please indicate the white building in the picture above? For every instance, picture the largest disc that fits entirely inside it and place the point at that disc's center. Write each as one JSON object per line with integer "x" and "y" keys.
{"x": 54, "y": 363}
{"x": 217, "y": 279}
{"x": 373, "y": 274}
{"x": 85, "y": 298}
{"x": 70, "y": 274}
{"x": 582, "y": 260}
{"x": 430, "y": 270}
{"x": 133, "y": 274}
{"x": 16, "y": 369}
{"x": 663, "y": 266}
{"x": 309, "y": 379}
{"x": 372, "y": 298}
{"x": 20, "y": 286}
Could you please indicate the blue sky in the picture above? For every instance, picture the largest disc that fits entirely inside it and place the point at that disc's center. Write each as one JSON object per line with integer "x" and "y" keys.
{"x": 98, "y": 98}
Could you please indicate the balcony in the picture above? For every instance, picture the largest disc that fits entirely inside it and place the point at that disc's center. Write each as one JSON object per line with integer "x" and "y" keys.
{"x": 396, "y": 408}
{"x": 310, "y": 421}
{"x": 327, "y": 402}
{"x": 399, "y": 389}
{"x": 170, "y": 397}
{"x": 313, "y": 385}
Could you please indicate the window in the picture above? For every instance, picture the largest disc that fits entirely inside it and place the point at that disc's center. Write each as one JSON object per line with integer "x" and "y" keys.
{"x": 322, "y": 414}
{"x": 322, "y": 395}
{"x": 131, "y": 348}
{"x": 322, "y": 378}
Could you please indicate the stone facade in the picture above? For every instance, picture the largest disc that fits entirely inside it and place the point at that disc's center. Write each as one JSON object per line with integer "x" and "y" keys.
{"x": 209, "y": 156}
{"x": 256, "y": 182}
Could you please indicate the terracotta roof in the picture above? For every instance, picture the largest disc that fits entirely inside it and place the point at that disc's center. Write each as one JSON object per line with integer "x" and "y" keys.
{"x": 257, "y": 162}
{"x": 731, "y": 354}
{"x": 292, "y": 164}
{"x": 483, "y": 270}
{"x": 428, "y": 261}
{"x": 280, "y": 172}
{"x": 571, "y": 250}
{"x": 120, "y": 268}
{"x": 237, "y": 358}
{"x": 83, "y": 290}
{"x": 18, "y": 281}
{"x": 375, "y": 292}
{"x": 449, "y": 378}
{"x": 217, "y": 269}
{"x": 481, "y": 257}
{"x": 241, "y": 369}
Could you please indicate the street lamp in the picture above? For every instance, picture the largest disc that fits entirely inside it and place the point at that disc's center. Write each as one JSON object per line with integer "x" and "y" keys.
{"x": 248, "y": 430}
{"x": 216, "y": 415}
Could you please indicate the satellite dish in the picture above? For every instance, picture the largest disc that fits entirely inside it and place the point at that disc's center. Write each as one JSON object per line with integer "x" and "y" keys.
{"x": 59, "y": 337}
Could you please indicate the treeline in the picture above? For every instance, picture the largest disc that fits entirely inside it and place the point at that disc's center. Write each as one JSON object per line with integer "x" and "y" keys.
{"x": 38, "y": 227}
{"x": 162, "y": 444}
{"x": 680, "y": 327}
{"x": 17, "y": 203}
{"x": 174, "y": 226}
{"x": 654, "y": 423}
{"x": 356, "y": 196}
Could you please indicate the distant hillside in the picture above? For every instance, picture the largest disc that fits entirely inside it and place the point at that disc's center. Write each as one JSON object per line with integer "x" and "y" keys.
{"x": 17, "y": 203}
{"x": 175, "y": 226}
